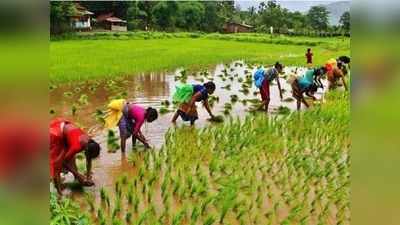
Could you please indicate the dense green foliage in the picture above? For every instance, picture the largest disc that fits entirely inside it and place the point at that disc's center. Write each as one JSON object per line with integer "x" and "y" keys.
{"x": 130, "y": 53}
{"x": 317, "y": 17}
{"x": 60, "y": 13}
{"x": 66, "y": 212}
{"x": 345, "y": 21}
{"x": 207, "y": 16}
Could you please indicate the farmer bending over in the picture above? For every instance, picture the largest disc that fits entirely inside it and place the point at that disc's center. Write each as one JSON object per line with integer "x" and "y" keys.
{"x": 187, "y": 95}
{"x": 263, "y": 80}
{"x": 307, "y": 84}
{"x": 345, "y": 60}
{"x": 67, "y": 140}
{"x": 335, "y": 72}
{"x": 129, "y": 117}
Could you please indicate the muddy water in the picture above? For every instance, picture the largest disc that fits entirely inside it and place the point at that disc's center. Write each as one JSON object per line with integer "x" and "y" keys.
{"x": 150, "y": 90}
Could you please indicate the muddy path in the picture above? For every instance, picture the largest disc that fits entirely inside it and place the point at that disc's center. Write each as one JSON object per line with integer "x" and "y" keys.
{"x": 151, "y": 90}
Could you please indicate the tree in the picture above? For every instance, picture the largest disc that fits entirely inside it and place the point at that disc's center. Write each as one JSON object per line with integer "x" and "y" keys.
{"x": 164, "y": 14}
{"x": 317, "y": 18}
{"x": 272, "y": 15}
{"x": 226, "y": 10}
{"x": 190, "y": 15}
{"x": 212, "y": 21}
{"x": 134, "y": 16}
{"x": 345, "y": 21}
{"x": 60, "y": 13}
{"x": 296, "y": 20}
{"x": 146, "y": 8}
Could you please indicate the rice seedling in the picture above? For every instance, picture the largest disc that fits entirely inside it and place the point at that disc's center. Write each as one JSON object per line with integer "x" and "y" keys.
{"x": 205, "y": 203}
{"x": 112, "y": 142}
{"x": 74, "y": 109}
{"x": 103, "y": 194}
{"x": 216, "y": 119}
{"x": 165, "y": 103}
{"x": 288, "y": 99}
{"x": 195, "y": 214}
{"x": 283, "y": 110}
{"x": 209, "y": 220}
{"x": 164, "y": 110}
{"x": 228, "y": 106}
{"x": 245, "y": 91}
{"x": 234, "y": 98}
{"x": 65, "y": 211}
{"x": 83, "y": 99}
{"x": 227, "y": 87}
{"x": 90, "y": 201}
{"x": 68, "y": 94}
{"x": 128, "y": 217}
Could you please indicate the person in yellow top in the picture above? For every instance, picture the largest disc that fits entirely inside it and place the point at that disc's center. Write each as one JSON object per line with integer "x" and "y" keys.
{"x": 335, "y": 73}
{"x": 129, "y": 117}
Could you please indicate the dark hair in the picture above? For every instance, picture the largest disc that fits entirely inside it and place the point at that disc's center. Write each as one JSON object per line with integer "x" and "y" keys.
{"x": 210, "y": 86}
{"x": 93, "y": 149}
{"x": 313, "y": 87}
{"x": 308, "y": 49}
{"x": 278, "y": 66}
{"x": 339, "y": 65}
{"x": 344, "y": 59}
{"x": 319, "y": 71}
{"x": 151, "y": 114}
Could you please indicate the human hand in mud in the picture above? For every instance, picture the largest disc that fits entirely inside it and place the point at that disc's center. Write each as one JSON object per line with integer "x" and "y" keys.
{"x": 89, "y": 175}
{"x": 212, "y": 116}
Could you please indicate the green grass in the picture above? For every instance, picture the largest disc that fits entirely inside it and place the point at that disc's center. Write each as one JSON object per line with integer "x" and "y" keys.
{"x": 75, "y": 60}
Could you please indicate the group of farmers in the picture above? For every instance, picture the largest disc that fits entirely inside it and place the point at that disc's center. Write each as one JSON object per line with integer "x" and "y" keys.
{"x": 67, "y": 139}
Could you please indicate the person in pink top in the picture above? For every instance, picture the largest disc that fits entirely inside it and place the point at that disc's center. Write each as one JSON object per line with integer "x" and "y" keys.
{"x": 133, "y": 117}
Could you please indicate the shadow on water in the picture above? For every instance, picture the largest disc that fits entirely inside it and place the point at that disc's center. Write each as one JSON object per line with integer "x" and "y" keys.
{"x": 150, "y": 90}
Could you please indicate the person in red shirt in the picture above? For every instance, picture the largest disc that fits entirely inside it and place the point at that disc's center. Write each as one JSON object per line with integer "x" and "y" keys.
{"x": 67, "y": 140}
{"x": 309, "y": 56}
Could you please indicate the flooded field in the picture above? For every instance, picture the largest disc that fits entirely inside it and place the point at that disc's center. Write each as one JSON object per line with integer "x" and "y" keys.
{"x": 139, "y": 179}
{"x": 152, "y": 90}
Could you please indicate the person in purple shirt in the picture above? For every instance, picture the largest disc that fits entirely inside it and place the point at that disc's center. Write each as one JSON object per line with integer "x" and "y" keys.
{"x": 133, "y": 117}
{"x": 192, "y": 94}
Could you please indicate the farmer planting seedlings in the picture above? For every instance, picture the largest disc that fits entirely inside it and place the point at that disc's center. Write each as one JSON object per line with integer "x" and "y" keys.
{"x": 187, "y": 96}
{"x": 67, "y": 140}
{"x": 240, "y": 167}
{"x": 307, "y": 84}
{"x": 263, "y": 79}
{"x": 335, "y": 72}
{"x": 129, "y": 117}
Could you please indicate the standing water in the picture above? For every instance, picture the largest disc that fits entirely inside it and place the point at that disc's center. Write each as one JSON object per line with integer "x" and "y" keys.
{"x": 79, "y": 102}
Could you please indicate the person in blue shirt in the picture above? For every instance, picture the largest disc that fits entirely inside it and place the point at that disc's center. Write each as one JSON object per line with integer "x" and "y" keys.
{"x": 187, "y": 95}
{"x": 308, "y": 84}
{"x": 263, "y": 79}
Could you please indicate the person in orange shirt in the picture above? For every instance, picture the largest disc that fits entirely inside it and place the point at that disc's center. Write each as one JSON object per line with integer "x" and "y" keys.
{"x": 67, "y": 140}
{"x": 334, "y": 74}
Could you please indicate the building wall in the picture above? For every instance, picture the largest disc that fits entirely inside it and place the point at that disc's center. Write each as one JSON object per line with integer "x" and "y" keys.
{"x": 81, "y": 24}
{"x": 118, "y": 28}
{"x": 232, "y": 28}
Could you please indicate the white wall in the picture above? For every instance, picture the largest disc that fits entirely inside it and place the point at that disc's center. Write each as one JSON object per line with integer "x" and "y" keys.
{"x": 81, "y": 24}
